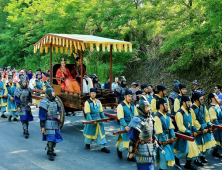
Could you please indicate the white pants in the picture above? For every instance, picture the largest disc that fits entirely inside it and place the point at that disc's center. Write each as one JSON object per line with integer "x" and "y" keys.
{"x": 86, "y": 88}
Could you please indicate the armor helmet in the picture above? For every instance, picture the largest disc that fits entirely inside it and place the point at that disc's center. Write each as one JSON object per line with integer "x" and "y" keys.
{"x": 143, "y": 103}
{"x": 121, "y": 83}
{"x": 23, "y": 79}
{"x": 48, "y": 93}
{"x": 195, "y": 82}
{"x": 175, "y": 87}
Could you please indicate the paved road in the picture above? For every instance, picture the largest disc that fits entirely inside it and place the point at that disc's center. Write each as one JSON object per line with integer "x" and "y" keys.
{"x": 18, "y": 153}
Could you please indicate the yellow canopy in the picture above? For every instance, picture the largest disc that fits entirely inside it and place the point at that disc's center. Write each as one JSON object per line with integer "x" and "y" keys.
{"x": 79, "y": 42}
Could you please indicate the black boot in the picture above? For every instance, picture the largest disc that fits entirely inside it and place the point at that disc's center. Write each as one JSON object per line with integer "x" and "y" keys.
{"x": 50, "y": 149}
{"x": 203, "y": 159}
{"x": 177, "y": 161}
{"x": 198, "y": 163}
{"x": 25, "y": 129}
{"x": 54, "y": 154}
{"x": 216, "y": 154}
{"x": 9, "y": 118}
{"x": 131, "y": 159}
{"x": 189, "y": 166}
{"x": 120, "y": 155}
{"x": 15, "y": 119}
{"x": 105, "y": 150}
{"x": 3, "y": 116}
{"x": 87, "y": 146}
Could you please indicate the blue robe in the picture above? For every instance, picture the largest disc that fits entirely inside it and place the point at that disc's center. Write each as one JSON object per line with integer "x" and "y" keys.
{"x": 11, "y": 104}
{"x": 3, "y": 100}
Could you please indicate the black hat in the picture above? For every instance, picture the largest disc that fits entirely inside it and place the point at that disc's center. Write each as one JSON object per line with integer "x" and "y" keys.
{"x": 160, "y": 87}
{"x": 128, "y": 92}
{"x": 182, "y": 86}
{"x": 10, "y": 77}
{"x": 210, "y": 96}
{"x": 47, "y": 75}
{"x": 39, "y": 69}
{"x": 185, "y": 98}
{"x": 159, "y": 102}
{"x": 143, "y": 86}
{"x": 93, "y": 90}
{"x": 196, "y": 96}
{"x": 139, "y": 92}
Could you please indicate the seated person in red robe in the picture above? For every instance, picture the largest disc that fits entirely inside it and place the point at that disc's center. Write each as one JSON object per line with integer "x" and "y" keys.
{"x": 68, "y": 83}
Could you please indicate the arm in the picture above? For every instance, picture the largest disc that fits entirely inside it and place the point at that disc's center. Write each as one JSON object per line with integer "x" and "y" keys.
{"x": 153, "y": 105}
{"x": 195, "y": 121}
{"x": 169, "y": 111}
{"x": 159, "y": 129}
{"x": 120, "y": 115}
{"x": 176, "y": 105}
{"x": 87, "y": 110}
{"x": 179, "y": 121}
{"x": 172, "y": 133}
{"x": 6, "y": 92}
{"x": 213, "y": 116}
{"x": 101, "y": 111}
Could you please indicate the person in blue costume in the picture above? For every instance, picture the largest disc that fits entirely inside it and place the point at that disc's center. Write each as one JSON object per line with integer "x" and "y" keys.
{"x": 125, "y": 113}
{"x": 49, "y": 115}
{"x": 38, "y": 84}
{"x": 94, "y": 110}
{"x": 23, "y": 99}
{"x": 177, "y": 102}
{"x": 148, "y": 95}
{"x": 215, "y": 113}
{"x": 164, "y": 131}
{"x": 142, "y": 137}
{"x": 46, "y": 83}
{"x": 10, "y": 88}
{"x": 3, "y": 99}
{"x": 202, "y": 122}
{"x": 161, "y": 89}
{"x": 174, "y": 94}
{"x": 183, "y": 148}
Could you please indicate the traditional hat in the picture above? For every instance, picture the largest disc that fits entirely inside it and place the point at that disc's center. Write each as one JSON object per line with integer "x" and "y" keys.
{"x": 93, "y": 90}
{"x": 182, "y": 86}
{"x": 128, "y": 92}
{"x": 160, "y": 87}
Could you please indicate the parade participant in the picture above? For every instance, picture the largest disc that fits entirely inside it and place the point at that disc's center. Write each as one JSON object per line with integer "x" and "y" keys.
{"x": 217, "y": 90}
{"x": 197, "y": 89}
{"x": 96, "y": 82}
{"x": 202, "y": 122}
{"x": 10, "y": 88}
{"x": 38, "y": 71}
{"x": 46, "y": 83}
{"x": 49, "y": 116}
{"x": 160, "y": 95}
{"x": 15, "y": 78}
{"x": 32, "y": 81}
{"x": 107, "y": 84}
{"x": 120, "y": 90}
{"x": 177, "y": 100}
{"x": 47, "y": 71}
{"x": 115, "y": 84}
{"x": 141, "y": 135}
{"x": 38, "y": 84}
{"x": 164, "y": 131}
{"x": 215, "y": 114}
{"x": 148, "y": 95}
{"x": 29, "y": 74}
{"x": 94, "y": 110}
{"x": 43, "y": 76}
{"x": 3, "y": 98}
{"x": 183, "y": 148}
{"x": 125, "y": 113}
{"x": 76, "y": 73}
{"x": 174, "y": 94}
{"x": 138, "y": 94}
{"x": 23, "y": 99}
{"x": 68, "y": 83}
{"x": 134, "y": 88}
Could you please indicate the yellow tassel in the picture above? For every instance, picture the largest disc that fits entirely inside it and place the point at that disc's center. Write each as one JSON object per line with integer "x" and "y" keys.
{"x": 61, "y": 49}
{"x": 50, "y": 39}
{"x": 40, "y": 49}
{"x": 44, "y": 41}
{"x": 130, "y": 48}
{"x": 75, "y": 44}
{"x": 91, "y": 47}
{"x": 66, "y": 50}
{"x": 47, "y": 39}
{"x": 86, "y": 45}
{"x": 70, "y": 49}
{"x": 53, "y": 40}
{"x": 63, "y": 42}
{"x": 76, "y": 50}
{"x": 83, "y": 46}
{"x": 56, "y": 49}
{"x": 97, "y": 47}
{"x": 59, "y": 41}
{"x": 34, "y": 49}
{"x": 67, "y": 43}
{"x": 103, "y": 47}
{"x": 114, "y": 47}
{"x": 46, "y": 49}
{"x": 78, "y": 46}
{"x": 108, "y": 47}
{"x": 70, "y": 43}
{"x": 38, "y": 45}
{"x": 125, "y": 46}
{"x": 119, "y": 47}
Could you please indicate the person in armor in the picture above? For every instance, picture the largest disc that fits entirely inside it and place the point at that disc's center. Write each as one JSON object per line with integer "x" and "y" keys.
{"x": 202, "y": 122}
{"x": 120, "y": 90}
{"x": 46, "y": 83}
{"x": 215, "y": 113}
{"x": 10, "y": 88}
{"x": 23, "y": 99}
{"x": 183, "y": 148}
{"x": 148, "y": 95}
{"x": 161, "y": 89}
{"x": 94, "y": 110}
{"x": 3, "y": 98}
{"x": 142, "y": 137}
{"x": 38, "y": 84}
{"x": 197, "y": 89}
{"x": 177, "y": 101}
{"x": 125, "y": 113}
{"x": 164, "y": 131}
{"x": 174, "y": 94}
{"x": 49, "y": 115}
{"x": 96, "y": 82}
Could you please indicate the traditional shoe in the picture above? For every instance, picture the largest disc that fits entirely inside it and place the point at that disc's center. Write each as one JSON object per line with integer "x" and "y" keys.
{"x": 177, "y": 161}
{"x": 189, "y": 166}
{"x": 203, "y": 159}
{"x": 105, "y": 150}
{"x": 198, "y": 163}
{"x": 51, "y": 156}
{"x": 131, "y": 159}
{"x": 87, "y": 146}
{"x": 3, "y": 116}
{"x": 217, "y": 155}
{"x": 119, "y": 153}
{"x": 15, "y": 119}
{"x": 54, "y": 154}
{"x": 9, "y": 118}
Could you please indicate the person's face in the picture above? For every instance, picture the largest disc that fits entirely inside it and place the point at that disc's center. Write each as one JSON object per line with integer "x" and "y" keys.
{"x": 10, "y": 80}
{"x": 184, "y": 91}
{"x": 39, "y": 76}
{"x": 195, "y": 86}
{"x": 216, "y": 97}
{"x": 216, "y": 90}
{"x": 128, "y": 98}
{"x": 30, "y": 71}
{"x": 78, "y": 62}
{"x": 147, "y": 109}
{"x": 43, "y": 74}
{"x": 47, "y": 71}
{"x": 165, "y": 107}
{"x": 18, "y": 69}
{"x": 53, "y": 94}
{"x": 24, "y": 84}
{"x": 24, "y": 69}
{"x": 187, "y": 104}
{"x": 63, "y": 63}
{"x": 124, "y": 83}
{"x": 96, "y": 79}
{"x": 92, "y": 95}
{"x": 22, "y": 72}
{"x": 33, "y": 76}
{"x": 116, "y": 79}
{"x": 146, "y": 90}
{"x": 164, "y": 93}
{"x": 133, "y": 86}
{"x": 108, "y": 79}
{"x": 201, "y": 99}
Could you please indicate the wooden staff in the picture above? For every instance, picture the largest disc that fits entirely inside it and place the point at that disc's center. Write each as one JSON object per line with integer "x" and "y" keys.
{"x": 95, "y": 121}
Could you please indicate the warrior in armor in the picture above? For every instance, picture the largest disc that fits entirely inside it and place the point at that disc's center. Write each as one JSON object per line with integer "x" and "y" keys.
{"x": 49, "y": 115}
{"x": 125, "y": 113}
{"x": 174, "y": 94}
{"x": 202, "y": 122}
{"x": 120, "y": 90}
{"x": 161, "y": 95}
{"x": 96, "y": 82}
{"x": 141, "y": 136}
{"x": 164, "y": 131}
{"x": 38, "y": 84}
{"x": 23, "y": 99}
{"x": 183, "y": 148}
{"x": 10, "y": 88}
{"x": 215, "y": 113}
{"x": 94, "y": 110}
{"x": 46, "y": 83}
{"x": 3, "y": 99}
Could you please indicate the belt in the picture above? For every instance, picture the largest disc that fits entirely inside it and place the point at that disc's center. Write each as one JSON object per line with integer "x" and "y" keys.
{"x": 145, "y": 141}
{"x": 166, "y": 131}
{"x": 51, "y": 118}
